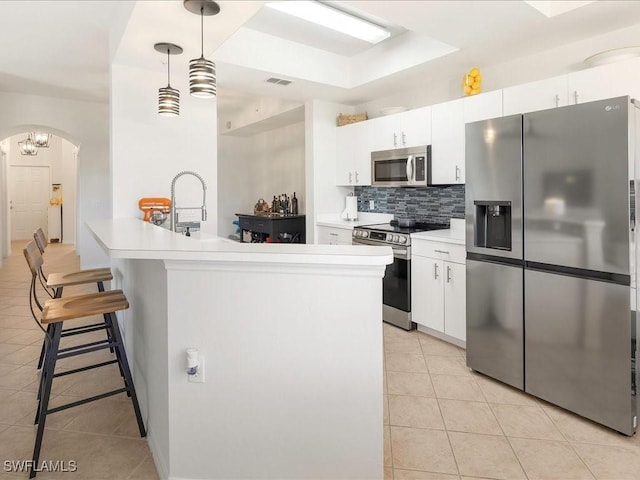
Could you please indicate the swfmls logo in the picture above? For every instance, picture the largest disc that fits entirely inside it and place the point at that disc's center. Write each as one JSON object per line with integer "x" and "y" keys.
{"x": 608, "y": 108}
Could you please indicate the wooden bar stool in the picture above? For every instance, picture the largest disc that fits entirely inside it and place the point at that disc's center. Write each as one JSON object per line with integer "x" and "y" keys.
{"x": 54, "y": 284}
{"x": 54, "y": 312}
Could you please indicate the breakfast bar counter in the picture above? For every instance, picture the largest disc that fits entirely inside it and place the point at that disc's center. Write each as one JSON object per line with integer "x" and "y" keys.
{"x": 290, "y": 344}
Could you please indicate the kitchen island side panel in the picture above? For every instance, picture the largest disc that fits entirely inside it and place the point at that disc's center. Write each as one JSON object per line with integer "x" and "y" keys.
{"x": 291, "y": 391}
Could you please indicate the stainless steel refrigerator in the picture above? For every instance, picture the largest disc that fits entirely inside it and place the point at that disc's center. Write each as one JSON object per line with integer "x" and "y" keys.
{"x": 551, "y": 256}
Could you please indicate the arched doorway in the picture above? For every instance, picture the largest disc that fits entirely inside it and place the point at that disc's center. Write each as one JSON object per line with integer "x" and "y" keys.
{"x": 38, "y": 190}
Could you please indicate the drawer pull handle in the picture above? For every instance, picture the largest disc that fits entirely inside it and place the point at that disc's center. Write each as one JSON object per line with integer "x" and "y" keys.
{"x": 442, "y": 251}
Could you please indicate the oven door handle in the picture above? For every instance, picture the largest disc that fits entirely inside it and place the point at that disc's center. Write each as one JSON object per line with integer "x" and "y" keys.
{"x": 400, "y": 253}
{"x": 409, "y": 168}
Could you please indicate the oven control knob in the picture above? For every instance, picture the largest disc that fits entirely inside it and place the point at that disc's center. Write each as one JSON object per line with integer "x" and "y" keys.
{"x": 355, "y": 233}
{"x": 403, "y": 239}
{"x": 365, "y": 234}
{"x": 389, "y": 237}
{"x": 396, "y": 238}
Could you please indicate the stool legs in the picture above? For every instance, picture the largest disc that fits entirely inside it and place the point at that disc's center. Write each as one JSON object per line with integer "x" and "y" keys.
{"x": 124, "y": 369}
{"x": 47, "y": 372}
{"x": 51, "y": 355}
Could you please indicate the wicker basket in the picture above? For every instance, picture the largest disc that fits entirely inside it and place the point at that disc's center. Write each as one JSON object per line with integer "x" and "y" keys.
{"x": 347, "y": 119}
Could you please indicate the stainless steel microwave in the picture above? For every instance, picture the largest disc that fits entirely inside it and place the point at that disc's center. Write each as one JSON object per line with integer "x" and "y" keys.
{"x": 401, "y": 167}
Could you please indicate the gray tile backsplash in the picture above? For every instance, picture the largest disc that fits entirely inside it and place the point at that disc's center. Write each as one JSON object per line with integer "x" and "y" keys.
{"x": 425, "y": 204}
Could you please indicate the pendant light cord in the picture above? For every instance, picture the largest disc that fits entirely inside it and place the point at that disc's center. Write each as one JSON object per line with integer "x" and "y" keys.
{"x": 168, "y": 66}
{"x": 202, "y": 30}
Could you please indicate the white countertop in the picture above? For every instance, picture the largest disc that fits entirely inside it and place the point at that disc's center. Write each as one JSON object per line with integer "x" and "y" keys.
{"x": 364, "y": 218}
{"x": 455, "y": 234}
{"x": 135, "y": 239}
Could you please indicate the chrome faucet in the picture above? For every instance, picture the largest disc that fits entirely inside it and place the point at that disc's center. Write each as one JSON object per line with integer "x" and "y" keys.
{"x": 174, "y": 210}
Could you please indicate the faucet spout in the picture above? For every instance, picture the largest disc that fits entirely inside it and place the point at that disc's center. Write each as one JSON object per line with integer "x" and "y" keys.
{"x": 203, "y": 207}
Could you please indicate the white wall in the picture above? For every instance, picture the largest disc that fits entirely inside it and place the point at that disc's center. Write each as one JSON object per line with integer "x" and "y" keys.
{"x": 69, "y": 181}
{"x": 148, "y": 150}
{"x": 322, "y": 194}
{"x": 86, "y": 125}
{"x": 260, "y": 166}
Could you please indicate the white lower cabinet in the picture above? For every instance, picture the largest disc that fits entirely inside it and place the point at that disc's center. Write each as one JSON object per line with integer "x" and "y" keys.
{"x": 334, "y": 235}
{"x": 438, "y": 288}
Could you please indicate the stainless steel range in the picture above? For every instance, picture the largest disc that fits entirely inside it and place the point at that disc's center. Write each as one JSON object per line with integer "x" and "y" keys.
{"x": 396, "y": 285}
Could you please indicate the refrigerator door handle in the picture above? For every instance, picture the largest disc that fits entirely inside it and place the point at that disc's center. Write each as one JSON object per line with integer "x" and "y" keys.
{"x": 632, "y": 201}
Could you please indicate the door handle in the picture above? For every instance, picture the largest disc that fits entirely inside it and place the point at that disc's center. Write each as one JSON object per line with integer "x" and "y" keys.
{"x": 395, "y": 140}
{"x": 350, "y": 176}
{"x": 356, "y": 177}
{"x": 404, "y": 140}
{"x": 457, "y": 173}
{"x": 448, "y": 274}
{"x": 409, "y": 167}
{"x": 10, "y": 204}
{"x": 557, "y": 100}
{"x": 435, "y": 271}
{"x": 442, "y": 251}
{"x": 575, "y": 96}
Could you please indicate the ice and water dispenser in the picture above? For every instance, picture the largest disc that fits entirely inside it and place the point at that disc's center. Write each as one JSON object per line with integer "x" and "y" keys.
{"x": 493, "y": 224}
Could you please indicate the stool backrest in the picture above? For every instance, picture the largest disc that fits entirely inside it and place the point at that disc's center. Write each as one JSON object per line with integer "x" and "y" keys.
{"x": 41, "y": 239}
{"x": 33, "y": 256}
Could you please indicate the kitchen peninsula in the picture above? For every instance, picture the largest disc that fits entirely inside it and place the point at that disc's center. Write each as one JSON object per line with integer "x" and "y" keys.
{"x": 290, "y": 341}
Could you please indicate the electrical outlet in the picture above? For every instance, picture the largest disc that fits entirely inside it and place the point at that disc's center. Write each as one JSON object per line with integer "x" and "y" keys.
{"x": 199, "y": 378}
{"x": 371, "y": 205}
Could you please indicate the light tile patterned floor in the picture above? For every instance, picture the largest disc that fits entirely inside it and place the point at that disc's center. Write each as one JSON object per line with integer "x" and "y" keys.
{"x": 441, "y": 421}
{"x": 101, "y": 436}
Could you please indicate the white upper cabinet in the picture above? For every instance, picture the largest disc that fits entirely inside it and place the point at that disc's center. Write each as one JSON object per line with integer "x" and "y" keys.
{"x": 405, "y": 129}
{"x": 447, "y": 143}
{"x": 534, "y": 96}
{"x": 482, "y": 107}
{"x": 606, "y": 81}
{"x": 353, "y": 154}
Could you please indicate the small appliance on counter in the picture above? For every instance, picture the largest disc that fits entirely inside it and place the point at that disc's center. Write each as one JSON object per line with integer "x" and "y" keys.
{"x": 156, "y": 209}
{"x": 350, "y": 211}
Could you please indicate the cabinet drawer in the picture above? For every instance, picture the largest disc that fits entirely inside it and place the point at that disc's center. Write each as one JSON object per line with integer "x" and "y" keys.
{"x": 246, "y": 223}
{"x": 451, "y": 252}
{"x": 334, "y": 236}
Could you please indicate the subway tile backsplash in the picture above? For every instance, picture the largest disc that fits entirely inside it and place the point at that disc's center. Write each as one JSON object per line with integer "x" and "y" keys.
{"x": 425, "y": 204}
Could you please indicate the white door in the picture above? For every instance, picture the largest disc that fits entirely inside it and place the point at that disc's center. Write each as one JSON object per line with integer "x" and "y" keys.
{"x": 427, "y": 302}
{"x": 28, "y": 200}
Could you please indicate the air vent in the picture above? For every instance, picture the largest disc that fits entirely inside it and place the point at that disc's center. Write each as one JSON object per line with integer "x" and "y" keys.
{"x": 278, "y": 81}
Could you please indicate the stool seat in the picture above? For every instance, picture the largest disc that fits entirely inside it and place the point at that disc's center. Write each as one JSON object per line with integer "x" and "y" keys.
{"x": 67, "y": 279}
{"x": 79, "y": 306}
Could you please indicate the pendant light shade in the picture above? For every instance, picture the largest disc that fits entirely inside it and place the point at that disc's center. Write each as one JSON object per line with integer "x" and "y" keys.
{"x": 202, "y": 78}
{"x": 41, "y": 139}
{"x": 27, "y": 147}
{"x": 202, "y": 72}
{"x": 168, "y": 97}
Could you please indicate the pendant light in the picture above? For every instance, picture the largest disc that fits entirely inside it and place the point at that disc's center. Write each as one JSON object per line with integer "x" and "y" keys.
{"x": 41, "y": 139}
{"x": 168, "y": 97}
{"x": 202, "y": 72}
{"x": 27, "y": 147}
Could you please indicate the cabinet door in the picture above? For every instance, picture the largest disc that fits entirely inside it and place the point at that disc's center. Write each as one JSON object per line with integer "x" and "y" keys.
{"x": 345, "y": 154}
{"x": 362, "y": 160}
{"x": 447, "y": 143}
{"x": 455, "y": 300}
{"x": 605, "y": 81}
{"x": 427, "y": 302}
{"x": 534, "y": 96}
{"x": 385, "y": 133}
{"x": 482, "y": 107}
{"x": 415, "y": 127}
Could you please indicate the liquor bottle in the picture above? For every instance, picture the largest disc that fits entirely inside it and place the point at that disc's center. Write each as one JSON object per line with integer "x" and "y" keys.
{"x": 294, "y": 204}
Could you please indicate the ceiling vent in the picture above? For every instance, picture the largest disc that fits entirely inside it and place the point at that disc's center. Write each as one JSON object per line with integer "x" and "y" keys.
{"x": 278, "y": 81}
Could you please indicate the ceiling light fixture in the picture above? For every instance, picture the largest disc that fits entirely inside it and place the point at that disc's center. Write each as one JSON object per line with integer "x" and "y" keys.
{"x": 41, "y": 139}
{"x": 613, "y": 55}
{"x": 202, "y": 72}
{"x": 27, "y": 147}
{"x": 168, "y": 97}
{"x": 337, "y": 20}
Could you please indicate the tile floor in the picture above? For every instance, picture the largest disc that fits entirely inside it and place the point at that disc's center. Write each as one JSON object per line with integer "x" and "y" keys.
{"x": 441, "y": 421}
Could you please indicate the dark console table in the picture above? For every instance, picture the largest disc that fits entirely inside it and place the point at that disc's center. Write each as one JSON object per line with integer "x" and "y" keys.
{"x": 272, "y": 228}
